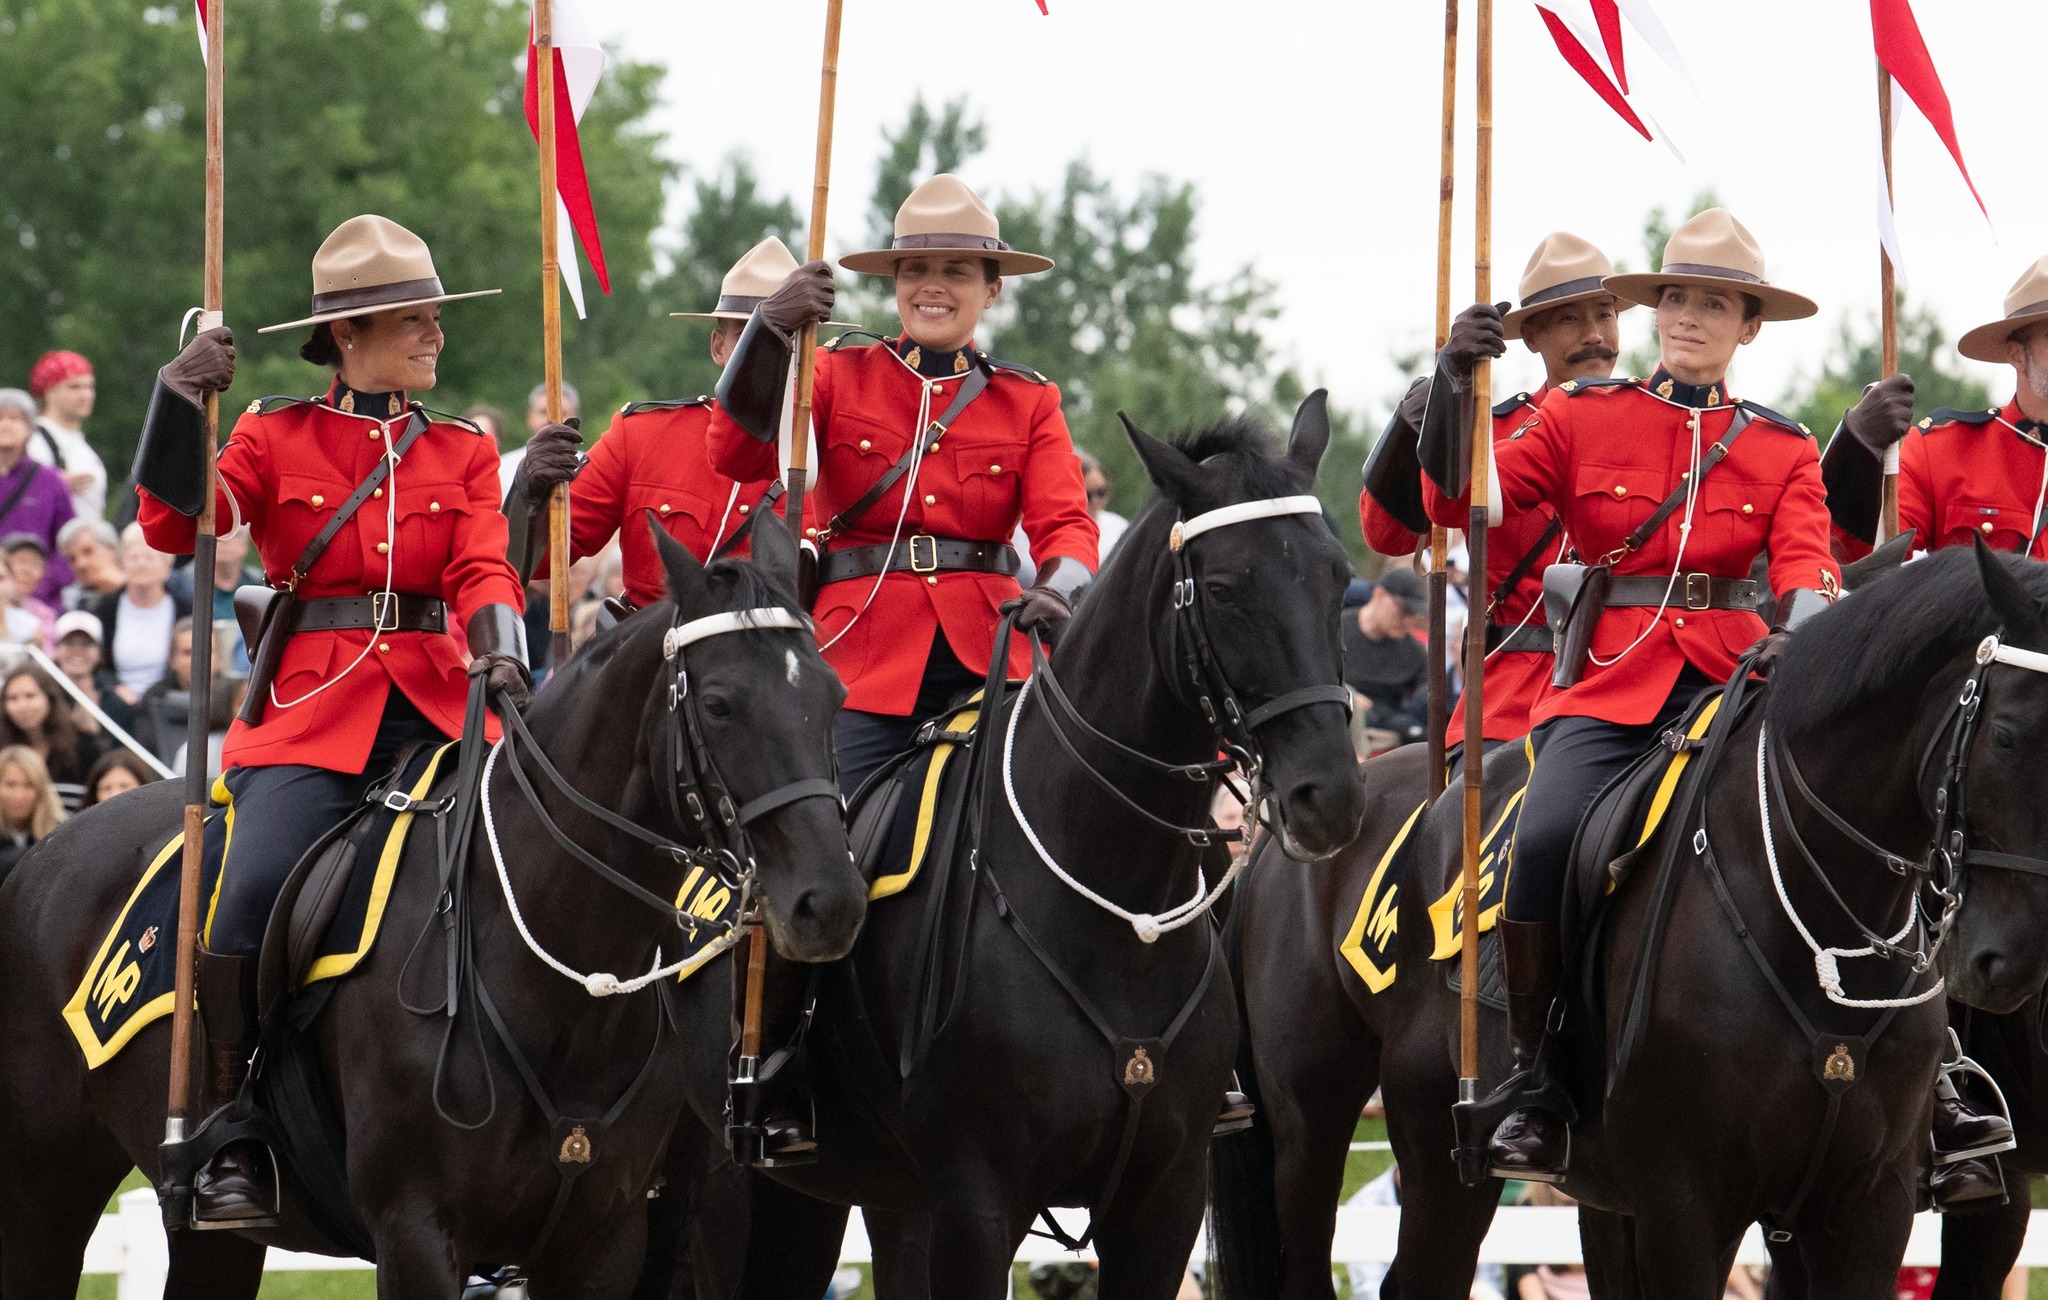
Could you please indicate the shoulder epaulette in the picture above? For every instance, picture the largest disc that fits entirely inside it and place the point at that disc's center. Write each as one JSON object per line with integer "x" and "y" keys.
{"x": 1012, "y": 368}
{"x": 1513, "y": 404}
{"x": 1574, "y": 387}
{"x": 1948, "y": 415}
{"x": 1791, "y": 425}
{"x": 442, "y": 417}
{"x": 845, "y": 339}
{"x": 266, "y": 405}
{"x": 665, "y": 404}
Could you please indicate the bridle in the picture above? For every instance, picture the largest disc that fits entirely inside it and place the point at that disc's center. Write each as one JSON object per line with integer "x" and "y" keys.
{"x": 1206, "y": 689}
{"x": 696, "y": 797}
{"x": 1944, "y": 868}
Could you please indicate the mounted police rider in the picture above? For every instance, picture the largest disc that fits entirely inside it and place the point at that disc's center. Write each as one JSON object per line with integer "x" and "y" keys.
{"x": 361, "y": 657}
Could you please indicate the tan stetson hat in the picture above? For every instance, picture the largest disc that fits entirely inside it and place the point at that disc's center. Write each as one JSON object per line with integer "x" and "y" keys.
{"x": 371, "y": 263}
{"x": 2025, "y": 303}
{"x": 943, "y": 218}
{"x": 757, "y": 274}
{"x": 1716, "y": 250}
{"x": 1564, "y": 268}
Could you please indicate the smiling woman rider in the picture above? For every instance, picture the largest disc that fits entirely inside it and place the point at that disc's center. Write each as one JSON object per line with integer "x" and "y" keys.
{"x": 376, "y": 517}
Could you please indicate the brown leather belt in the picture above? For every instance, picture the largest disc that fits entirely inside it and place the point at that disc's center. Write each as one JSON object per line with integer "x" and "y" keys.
{"x": 1692, "y": 591}
{"x": 1531, "y": 638}
{"x": 401, "y": 611}
{"x": 921, "y": 553}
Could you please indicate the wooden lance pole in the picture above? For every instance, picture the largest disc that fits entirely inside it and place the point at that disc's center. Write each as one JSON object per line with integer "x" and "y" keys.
{"x": 807, "y": 342}
{"x": 210, "y": 316}
{"x": 1888, "y": 313}
{"x": 1475, "y": 545}
{"x": 1439, "y": 537}
{"x": 551, "y": 331}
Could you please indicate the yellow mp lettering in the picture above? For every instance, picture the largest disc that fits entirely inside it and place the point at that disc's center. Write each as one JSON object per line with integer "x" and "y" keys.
{"x": 689, "y": 883}
{"x": 1384, "y": 918}
{"x": 710, "y": 901}
{"x": 117, "y": 982}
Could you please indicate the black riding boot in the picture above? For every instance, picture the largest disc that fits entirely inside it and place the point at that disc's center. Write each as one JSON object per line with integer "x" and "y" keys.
{"x": 1532, "y": 1143}
{"x": 1960, "y": 1133}
{"x": 238, "y": 1187}
{"x": 770, "y": 1111}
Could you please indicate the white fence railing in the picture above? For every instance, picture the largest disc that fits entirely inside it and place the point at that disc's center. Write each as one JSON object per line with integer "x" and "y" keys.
{"x": 131, "y": 1243}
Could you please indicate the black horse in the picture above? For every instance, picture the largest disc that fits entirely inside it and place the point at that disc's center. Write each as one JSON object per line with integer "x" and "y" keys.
{"x": 1076, "y": 1058}
{"x": 1718, "y": 1121}
{"x": 439, "y": 1201}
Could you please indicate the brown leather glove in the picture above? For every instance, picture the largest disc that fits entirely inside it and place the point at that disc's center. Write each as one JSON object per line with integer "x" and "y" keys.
{"x": 805, "y": 298}
{"x": 497, "y": 642}
{"x": 1046, "y": 605}
{"x": 1768, "y": 650}
{"x": 554, "y": 455}
{"x": 1476, "y": 334}
{"x": 207, "y": 365}
{"x": 1884, "y": 414}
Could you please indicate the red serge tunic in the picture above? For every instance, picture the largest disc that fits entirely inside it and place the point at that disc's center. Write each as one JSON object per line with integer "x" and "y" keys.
{"x": 434, "y": 528}
{"x": 655, "y": 458}
{"x": 1605, "y": 454}
{"x": 1976, "y": 474}
{"x": 1515, "y": 679}
{"x": 1007, "y": 458}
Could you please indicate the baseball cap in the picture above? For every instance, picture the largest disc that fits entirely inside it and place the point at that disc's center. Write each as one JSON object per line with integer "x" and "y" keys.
{"x": 1403, "y": 585}
{"x": 78, "y": 620}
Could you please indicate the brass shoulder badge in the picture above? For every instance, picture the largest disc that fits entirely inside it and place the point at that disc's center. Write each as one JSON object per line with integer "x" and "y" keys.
{"x": 1840, "y": 1065}
{"x": 576, "y": 1147}
{"x": 1138, "y": 1071}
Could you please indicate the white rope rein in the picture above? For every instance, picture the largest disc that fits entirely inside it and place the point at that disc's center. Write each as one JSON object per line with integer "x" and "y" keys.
{"x": 1827, "y": 961}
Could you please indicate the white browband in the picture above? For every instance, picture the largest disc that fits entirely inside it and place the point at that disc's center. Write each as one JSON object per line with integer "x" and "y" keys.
{"x": 1242, "y": 513}
{"x": 742, "y": 620}
{"x": 1992, "y": 650}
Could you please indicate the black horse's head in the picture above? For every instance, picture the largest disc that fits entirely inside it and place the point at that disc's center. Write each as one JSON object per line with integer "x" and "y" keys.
{"x": 1901, "y": 658}
{"x": 765, "y": 702}
{"x": 1269, "y": 595}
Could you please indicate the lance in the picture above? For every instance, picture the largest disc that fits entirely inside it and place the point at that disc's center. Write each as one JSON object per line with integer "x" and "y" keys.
{"x": 551, "y": 331}
{"x": 1439, "y": 536}
{"x": 197, "y": 727}
{"x": 1888, "y": 314}
{"x": 1475, "y": 544}
{"x": 807, "y": 341}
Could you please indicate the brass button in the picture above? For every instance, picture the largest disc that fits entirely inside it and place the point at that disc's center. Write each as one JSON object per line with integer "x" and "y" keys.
{"x": 933, "y": 385}
{"x": 744, "y": 509}
{"x": 318, "y": 500}
{"x": 1621, "y": 489}
{"x": 995, "y": 469}
{"x": 1986, "y": 525}
{"x": 375, "y": 492}
{"x": 933, "y": 581}
{"x": 383, "y": 548}
{"x": 1748, "y": 509}
{"x": 865, "y": 444}
{"x": 810, "y": 532}
{"x": 930, "y": 500}
{"x": 383, "y": 647}
{"x": 664, "y": 507}
{"x": 375, "y": 434}
{"x": 433, "y": 507}
{"x": 1681, "y": 622}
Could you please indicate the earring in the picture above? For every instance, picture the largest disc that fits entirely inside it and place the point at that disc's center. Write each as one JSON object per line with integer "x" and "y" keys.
{"x": 350, "y": 346}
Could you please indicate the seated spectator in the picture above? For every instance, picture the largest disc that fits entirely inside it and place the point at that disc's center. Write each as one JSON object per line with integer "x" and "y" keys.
{"x": 19, "y": 624}
{"x": 1385, "y": 666}
{"x": 63, "y": 383}
{"x": 34, "y": 499}
{"x": 78, "y": 656}
{"x": 162, "y": 712}
{"x": 27, "y": 561}
{"x": 92, "y": 549}
{"x": 117, "y": 772}
{"x": 28, "y": 805}
{"x": 221, "y": 703}
{"x": 489, "y": 419}
{"x": 139, "y": 617}
{"x": 35, "y": 713}
{"x": 230, "y": 570}
{"x": 583, "y": 623}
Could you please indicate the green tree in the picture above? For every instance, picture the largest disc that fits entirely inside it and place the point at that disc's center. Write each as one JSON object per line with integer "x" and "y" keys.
{"x": 335, "y": 107}
{"x": 1855, "y": 360}
{"x": 928, "y": 143}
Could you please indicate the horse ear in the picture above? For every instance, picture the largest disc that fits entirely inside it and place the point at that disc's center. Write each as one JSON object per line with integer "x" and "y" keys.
{"x": 772, "y": 547}
{"x": 2014, "y": 604}
{"x": 1169, "y": 468}
{"x": 1311, "y": 435}
{"x": 686, "y": 582}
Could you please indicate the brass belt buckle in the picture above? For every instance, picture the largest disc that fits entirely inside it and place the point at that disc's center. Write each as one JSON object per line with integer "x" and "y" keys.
{"x": 383, "y": 611}
{"x": 1699, "y": 591}
{"x": 929, "y": 564}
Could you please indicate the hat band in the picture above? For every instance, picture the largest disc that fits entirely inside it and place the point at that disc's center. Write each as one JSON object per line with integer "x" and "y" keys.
{"x": 1717, "y": 272}
{"x": 2035, "y": 310}
{"x": 950, "y": 243}
{"x": 740, "y": 302}
{"x": 376, "y": 295}
{"x": 1588, "y": 284}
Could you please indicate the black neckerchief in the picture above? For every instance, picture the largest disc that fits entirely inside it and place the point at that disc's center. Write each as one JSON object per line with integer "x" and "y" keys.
{"x": 1698, "y": 396}
{"x": 934, "y": 363}
{"x": 378, "y": 406}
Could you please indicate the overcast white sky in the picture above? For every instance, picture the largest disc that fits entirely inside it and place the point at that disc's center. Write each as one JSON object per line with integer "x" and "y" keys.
{"x": 1310, "y": 128}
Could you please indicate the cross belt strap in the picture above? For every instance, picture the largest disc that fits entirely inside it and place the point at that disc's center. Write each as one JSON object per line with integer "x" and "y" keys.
{"x": 400, "y": 611}
{"x": 920, "y": 553}
{"x": 1689, "y": 591}
{"x": 928, "y": 438}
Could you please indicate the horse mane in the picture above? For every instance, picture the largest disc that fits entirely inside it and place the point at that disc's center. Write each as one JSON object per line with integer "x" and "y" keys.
{"x": 1246, "y": 447}
{"x": 1896, "y": 633}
